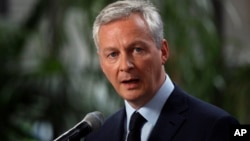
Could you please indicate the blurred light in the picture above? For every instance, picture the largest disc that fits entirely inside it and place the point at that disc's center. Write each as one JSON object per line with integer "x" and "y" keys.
{"x": 43, "y": 131}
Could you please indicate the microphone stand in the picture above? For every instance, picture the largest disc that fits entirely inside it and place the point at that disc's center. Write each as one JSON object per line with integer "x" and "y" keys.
{"x": 75, "y": 134}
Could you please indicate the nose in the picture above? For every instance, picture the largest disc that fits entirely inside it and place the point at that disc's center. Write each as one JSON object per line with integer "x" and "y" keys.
{"x": 126, "y": 63}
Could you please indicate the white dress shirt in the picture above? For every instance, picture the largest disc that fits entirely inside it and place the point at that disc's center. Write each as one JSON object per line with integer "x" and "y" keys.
{"x": 151, "y": 110}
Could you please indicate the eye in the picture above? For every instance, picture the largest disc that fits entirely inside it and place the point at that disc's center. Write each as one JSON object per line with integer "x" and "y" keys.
{"x": 112, "y": 55}
{"x": 138, "y": 49}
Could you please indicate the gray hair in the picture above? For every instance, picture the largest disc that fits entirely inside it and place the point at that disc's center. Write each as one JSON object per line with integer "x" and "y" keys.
{"x": 125, "y": 8}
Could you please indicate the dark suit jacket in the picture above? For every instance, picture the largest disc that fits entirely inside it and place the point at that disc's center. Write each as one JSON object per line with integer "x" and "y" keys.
{"x": 183, "y": 118}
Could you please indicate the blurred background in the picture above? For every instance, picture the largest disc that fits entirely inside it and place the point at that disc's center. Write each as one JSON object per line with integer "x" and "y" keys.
{"x": 50, "y": 76}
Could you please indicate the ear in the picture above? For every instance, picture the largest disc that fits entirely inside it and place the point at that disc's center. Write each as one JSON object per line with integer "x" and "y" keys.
{"x": 164, "y": 51}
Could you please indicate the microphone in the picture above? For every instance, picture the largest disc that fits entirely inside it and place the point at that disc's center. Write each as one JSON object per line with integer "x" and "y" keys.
{"x": 91, "y": 122}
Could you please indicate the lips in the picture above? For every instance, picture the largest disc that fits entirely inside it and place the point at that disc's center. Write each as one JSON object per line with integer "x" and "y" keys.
{"x": 130, "y": 84}
{"x": 130, "y": 81}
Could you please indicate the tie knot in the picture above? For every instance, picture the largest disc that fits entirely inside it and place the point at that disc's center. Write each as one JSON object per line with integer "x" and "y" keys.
{"x": 136, "y": 121}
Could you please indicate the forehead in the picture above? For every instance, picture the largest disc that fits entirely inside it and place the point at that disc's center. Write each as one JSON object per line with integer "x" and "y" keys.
{"x": 133, "y": 26}
{"x": 134, "y": 20}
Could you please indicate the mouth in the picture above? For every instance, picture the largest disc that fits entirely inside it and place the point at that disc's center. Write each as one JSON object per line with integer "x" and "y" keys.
{"x": 134, "y": 80}
{"x": 130, "y": 84}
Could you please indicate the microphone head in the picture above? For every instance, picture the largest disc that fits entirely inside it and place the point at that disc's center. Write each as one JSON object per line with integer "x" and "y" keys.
{"x": 94, "y": 119}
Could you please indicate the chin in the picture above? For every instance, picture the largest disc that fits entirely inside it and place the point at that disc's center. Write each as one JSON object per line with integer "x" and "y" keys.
{"x": 131, "y": 97}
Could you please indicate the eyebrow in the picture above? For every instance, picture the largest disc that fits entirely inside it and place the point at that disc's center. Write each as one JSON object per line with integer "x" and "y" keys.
{"x": 109, "y": 48}
{"x": 137, "y": 43}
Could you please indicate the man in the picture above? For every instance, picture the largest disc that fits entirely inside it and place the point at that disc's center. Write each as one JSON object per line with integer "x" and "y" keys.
{"x": 132, "y": 53}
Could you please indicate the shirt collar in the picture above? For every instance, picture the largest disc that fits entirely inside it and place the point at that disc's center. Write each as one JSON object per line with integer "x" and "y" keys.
{"x": 151, "y": 111}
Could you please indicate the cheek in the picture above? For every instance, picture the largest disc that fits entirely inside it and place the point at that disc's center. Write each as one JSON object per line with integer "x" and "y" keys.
{"x": 153, "y": 67}
{"x": 147, "y": 69}
{"x": 154, "y": 62}
{"x": 109, "y": 71}
{"x": 103, "y": 68}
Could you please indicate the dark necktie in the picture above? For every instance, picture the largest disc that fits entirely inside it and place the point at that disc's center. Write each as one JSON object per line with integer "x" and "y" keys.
{"x": 135, "y": 125}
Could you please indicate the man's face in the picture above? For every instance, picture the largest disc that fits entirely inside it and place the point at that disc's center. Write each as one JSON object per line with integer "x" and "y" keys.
{"x": 130, "y": 59}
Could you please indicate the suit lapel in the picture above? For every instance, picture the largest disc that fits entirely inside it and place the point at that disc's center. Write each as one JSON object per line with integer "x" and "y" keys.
{"x": 116, "y": 131}
{"x": 171, "y": 118}
{"x": 112, "y": 130}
